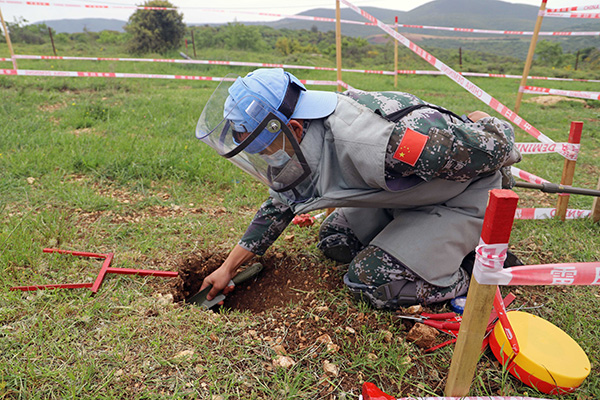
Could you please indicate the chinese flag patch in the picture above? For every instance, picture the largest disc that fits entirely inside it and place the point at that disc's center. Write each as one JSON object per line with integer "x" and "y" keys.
{"x": 411, "y": 146}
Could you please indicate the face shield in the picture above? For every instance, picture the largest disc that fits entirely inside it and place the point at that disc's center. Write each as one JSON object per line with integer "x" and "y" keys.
{"x": 245, "y": 129}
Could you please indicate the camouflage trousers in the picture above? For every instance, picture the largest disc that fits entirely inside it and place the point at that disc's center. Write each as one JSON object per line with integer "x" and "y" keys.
{"x": 377, "y": 276}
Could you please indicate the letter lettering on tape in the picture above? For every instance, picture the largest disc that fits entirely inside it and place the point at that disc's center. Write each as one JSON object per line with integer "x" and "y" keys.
{"x": 597, "y": 279}
{"x": 411, "y": 146}
{"x": 563, "y": 275}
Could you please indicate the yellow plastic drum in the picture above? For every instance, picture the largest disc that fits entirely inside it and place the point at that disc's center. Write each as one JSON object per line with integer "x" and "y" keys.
{"x": 549, "y": 359}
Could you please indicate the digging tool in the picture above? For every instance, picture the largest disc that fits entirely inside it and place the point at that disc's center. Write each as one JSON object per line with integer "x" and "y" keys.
{"x": 199, "y": 298}
{"x": 549, "y": 187}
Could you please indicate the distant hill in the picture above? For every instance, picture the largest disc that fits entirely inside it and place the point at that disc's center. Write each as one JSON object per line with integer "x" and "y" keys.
{"x": 86, "y": 24}
{"x": 478, "y": 14}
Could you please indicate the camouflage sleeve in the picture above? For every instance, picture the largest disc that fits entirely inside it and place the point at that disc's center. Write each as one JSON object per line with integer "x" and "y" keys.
{"x": 266, "y": 226}
{"x": 495, "y": 125}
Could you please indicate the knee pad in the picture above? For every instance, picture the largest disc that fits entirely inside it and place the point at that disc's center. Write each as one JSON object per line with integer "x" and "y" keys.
{"x": 390, "y": 296}
{"x": 337, "y": 248}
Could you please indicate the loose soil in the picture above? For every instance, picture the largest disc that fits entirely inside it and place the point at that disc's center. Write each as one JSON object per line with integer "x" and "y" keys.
{"x": 283, "y": 280}
{"x": 300, "y": 281}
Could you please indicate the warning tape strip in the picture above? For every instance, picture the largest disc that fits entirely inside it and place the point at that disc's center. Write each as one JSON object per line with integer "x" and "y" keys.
{"x": 458, "y": 78}
{"x": 570, "y": 151}
{"x": 568, "y": 93}
{"x": 81, "y": 74}
{"x": 497, "y": 32}
{"x": 546, "y": 213}
{"x": 488, "y": 270}
{"x": 286, "y": 66}
{"x": 527, "y": 176}
{"x": 568, "y": 15}
{"x": 301, "y": 17}
{"x": 570, "y": 9}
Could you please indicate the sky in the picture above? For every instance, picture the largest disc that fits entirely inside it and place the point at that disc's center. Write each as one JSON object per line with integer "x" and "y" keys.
{"x": 195, "y": 11}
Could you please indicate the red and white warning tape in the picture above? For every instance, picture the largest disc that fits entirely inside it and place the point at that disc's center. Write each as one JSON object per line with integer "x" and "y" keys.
{"x": 568, "y": 93}
{"x": 547, "y": 213}
{"x": 497, "y": 32}
{"x": 286, "y": 66}
{"x": 568, "y": 15}
{"x": 489, "y": 270}
{"x": 527, "y": 176}
{"x": 571, "y": 9}
{"x": 570, "y": 151}
{"x": 81, "y": 74}
{"x": 458, "y": 78}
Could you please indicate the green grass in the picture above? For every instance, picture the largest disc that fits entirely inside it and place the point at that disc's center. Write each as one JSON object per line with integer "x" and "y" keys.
{"x": 116, "y": 168}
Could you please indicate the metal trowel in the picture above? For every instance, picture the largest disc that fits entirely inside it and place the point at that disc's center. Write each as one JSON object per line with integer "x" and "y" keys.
{"x": 199, "y": 298}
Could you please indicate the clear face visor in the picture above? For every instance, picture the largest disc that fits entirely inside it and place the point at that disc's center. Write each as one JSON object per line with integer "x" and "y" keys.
{"x": 269, "y": 152}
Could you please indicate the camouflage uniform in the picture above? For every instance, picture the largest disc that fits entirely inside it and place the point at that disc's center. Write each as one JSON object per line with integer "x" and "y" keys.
{"x": 454, "y": 151}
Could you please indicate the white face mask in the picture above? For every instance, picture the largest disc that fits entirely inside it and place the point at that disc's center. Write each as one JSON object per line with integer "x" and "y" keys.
{"x": 277, "y": 159}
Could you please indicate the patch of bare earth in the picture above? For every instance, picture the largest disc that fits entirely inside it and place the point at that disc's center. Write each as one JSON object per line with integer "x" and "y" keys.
{"x": 550, "y": 100}
{"x": 287, "y": 280}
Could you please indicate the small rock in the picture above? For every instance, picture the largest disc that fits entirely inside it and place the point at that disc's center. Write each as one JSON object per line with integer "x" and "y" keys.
{"x": 30, "y": 180}
{"x": 184, "y": 354}
{"x": 164, "y": 300}
{"x": 332, "y": 348}
{"x": 330, "y": 368}
{"x": 325, "y": 339}
{"x": 416, "y": 309}
{"x": 278, "y": 349}
{"x": 422, "y": 335}
{"x": 387, "y": 336}
{"x": 283, "y": 362}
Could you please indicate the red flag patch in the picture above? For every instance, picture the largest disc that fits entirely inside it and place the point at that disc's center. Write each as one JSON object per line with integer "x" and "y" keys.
{"x": 411, "y": 146}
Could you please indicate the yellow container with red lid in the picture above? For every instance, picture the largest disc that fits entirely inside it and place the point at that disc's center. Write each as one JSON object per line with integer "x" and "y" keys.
{"x": 548, "y": 360}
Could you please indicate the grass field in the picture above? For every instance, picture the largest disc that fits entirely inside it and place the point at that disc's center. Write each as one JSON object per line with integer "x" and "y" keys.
{"x": 112, "y": 165}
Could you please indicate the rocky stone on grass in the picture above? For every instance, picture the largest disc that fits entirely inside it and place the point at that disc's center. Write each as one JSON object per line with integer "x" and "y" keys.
{"x": 422, "y": 335}
{"x": 283, "y": 362}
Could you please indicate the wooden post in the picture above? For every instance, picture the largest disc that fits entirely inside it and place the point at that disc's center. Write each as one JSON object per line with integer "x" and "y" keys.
{"x": 576, "y": 60}
{"x": 497, "y": 224}
{"x": 8, "y": 42}
{"x": 460, "y": 57}
{"x": 52, "y": 40}
{"x": 568, "y": 171}
{"x": 193, "y": 43}
{"x": 596, "y": 206}
{"x": 396, "y": 56}
{"x": 536, "y": 31}
{"x": 338, "y": 43}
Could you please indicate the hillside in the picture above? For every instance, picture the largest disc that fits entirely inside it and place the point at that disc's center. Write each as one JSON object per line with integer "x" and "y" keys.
{"x": 479, "y": 14}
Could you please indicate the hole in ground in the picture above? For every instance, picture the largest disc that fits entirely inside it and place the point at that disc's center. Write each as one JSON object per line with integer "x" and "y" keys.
{"x": 283, "y": 280}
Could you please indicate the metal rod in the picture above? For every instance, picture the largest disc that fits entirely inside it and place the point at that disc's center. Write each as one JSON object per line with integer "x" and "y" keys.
{"x": 554, "y": 188}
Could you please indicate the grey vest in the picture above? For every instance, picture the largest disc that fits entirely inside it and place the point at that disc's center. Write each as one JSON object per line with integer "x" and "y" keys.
{"x": 346, "y": 153}
{"x": 433, "y": 224}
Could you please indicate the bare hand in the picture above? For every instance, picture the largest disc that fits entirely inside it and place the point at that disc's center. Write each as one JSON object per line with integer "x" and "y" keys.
{"x": 219, "y": 280}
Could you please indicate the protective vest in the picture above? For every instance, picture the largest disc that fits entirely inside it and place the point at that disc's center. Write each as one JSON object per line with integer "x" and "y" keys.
{"x": 346, "y": 153}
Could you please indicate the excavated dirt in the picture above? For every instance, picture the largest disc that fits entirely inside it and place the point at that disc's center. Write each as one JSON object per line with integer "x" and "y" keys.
{"x": 283, "y": 280}
{"x": 300, "y": 281}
